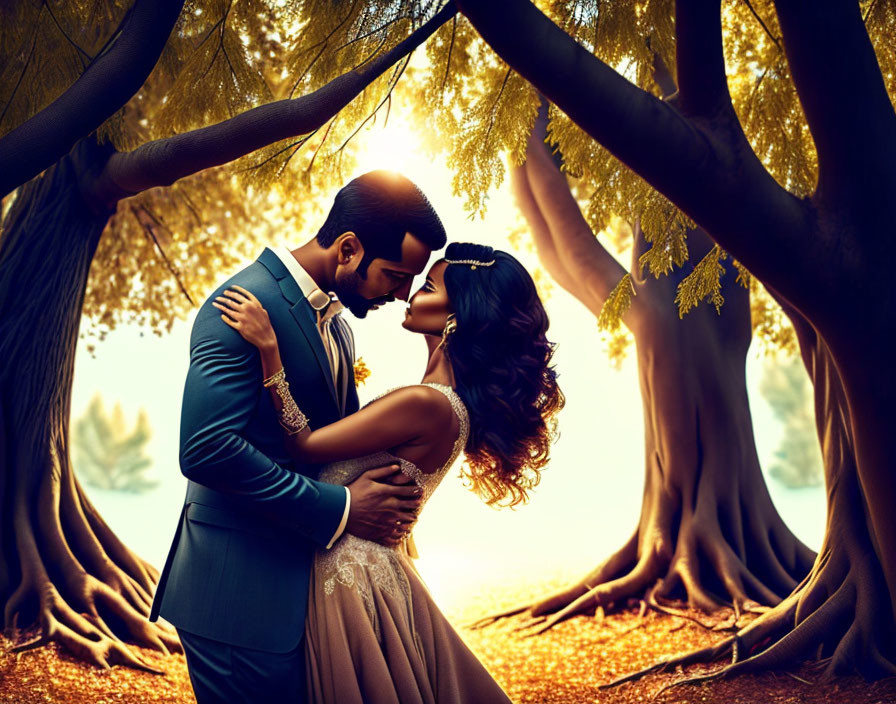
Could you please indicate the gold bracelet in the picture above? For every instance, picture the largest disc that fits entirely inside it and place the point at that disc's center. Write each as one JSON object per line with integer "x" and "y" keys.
{"x": 291, "y": 417}
{"x": 274, "y": 378}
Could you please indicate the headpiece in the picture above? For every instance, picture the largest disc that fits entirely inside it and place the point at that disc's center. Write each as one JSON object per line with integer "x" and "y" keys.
{"x": 472, "y": 262}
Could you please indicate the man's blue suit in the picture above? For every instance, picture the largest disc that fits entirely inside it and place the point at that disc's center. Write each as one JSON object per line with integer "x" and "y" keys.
{"x": 239, "y": 566}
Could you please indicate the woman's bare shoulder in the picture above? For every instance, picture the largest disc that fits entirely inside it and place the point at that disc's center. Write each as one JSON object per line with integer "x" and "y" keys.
{"x": 418, "y": 400}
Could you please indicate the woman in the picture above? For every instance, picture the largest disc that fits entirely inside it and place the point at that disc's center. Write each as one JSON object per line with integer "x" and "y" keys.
{"x": 373, "y": 633}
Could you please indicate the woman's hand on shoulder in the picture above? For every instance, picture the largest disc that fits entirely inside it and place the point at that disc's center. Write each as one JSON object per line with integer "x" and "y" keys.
{"x": 242, "y": 311}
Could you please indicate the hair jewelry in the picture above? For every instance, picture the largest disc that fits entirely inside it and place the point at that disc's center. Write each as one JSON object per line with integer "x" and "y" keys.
{"x": 472, "y": 262}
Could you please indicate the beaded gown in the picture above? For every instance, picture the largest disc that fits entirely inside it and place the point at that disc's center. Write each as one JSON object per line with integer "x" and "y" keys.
{"x": 373, "y": 634}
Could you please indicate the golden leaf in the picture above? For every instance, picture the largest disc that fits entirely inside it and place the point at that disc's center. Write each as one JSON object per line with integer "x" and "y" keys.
{"x": 616, "y": 305}
{"x": 704, "y": 282}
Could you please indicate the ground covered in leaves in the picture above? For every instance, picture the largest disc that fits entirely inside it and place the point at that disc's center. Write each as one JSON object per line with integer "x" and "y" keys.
{"x": 566, "y": 665}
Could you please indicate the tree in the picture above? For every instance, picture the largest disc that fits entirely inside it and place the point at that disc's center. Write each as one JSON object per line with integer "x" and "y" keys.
{"x": 785, "y": 387}
{"x": 708, "y": 530}
{"x": 80, "y": 195}
{"x": 107, "y": 454}
{"x": 818, "y": 252}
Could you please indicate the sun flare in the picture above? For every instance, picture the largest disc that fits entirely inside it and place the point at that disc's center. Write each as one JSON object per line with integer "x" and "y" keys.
{"x": 395, "y": 147}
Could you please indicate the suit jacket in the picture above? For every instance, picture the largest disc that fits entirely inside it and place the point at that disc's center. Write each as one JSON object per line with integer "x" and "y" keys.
{"x": 239, "y": 566}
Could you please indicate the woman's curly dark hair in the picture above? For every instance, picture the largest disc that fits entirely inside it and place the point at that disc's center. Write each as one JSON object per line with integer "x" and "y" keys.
{"x": 501, "y": 361}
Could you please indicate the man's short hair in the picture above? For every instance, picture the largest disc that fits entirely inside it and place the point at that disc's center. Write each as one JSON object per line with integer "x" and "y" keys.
{"x": 380, "y": 207}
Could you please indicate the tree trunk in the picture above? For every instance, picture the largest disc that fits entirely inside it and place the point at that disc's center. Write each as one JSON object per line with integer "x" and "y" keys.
{"x": 839, "y": 614}
{"x": 708, "y": 532}
{"x": 62, "y": 569}
{"x": 63, "y": 572}
{"x": 708, "y": 525}
{"x": 822, "y": 254}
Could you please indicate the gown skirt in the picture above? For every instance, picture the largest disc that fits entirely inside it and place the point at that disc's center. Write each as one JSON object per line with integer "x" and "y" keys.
{"x": 373, "y": 634}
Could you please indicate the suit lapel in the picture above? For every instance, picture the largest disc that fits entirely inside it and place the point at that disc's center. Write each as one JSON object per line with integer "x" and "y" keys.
{"x": 304, "y": 315}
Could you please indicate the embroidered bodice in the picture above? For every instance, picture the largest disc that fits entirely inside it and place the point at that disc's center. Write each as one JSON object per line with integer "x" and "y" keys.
{"x": 363, "y": 565}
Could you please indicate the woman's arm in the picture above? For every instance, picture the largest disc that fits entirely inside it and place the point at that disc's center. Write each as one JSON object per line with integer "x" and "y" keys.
{"x": 402, "y": 417}
{"x": 399, "y": 418}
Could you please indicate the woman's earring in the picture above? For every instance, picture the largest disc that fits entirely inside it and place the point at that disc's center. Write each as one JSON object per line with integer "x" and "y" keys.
{"x": 450, "y": 327}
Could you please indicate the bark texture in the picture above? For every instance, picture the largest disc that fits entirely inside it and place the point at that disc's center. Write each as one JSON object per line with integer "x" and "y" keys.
{"x": 107, "y": 83}
{"x": 61, "y": 567}
{"x": 838, "y": 616}
{"x": 708, "y": 532}
{"x": 64, "y": 575}
{"x": 821, "y": 255}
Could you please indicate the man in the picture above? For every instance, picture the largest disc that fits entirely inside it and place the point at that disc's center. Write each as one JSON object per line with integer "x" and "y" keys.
{"x": 236, "y": 579}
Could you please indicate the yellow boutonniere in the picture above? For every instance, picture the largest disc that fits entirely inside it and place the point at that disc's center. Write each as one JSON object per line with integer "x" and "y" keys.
{"x": 361, "y": 371}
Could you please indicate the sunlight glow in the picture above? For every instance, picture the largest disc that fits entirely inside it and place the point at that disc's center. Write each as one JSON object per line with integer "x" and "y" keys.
{"x": 592, "y": 488}
{"x": 395, "y": 147}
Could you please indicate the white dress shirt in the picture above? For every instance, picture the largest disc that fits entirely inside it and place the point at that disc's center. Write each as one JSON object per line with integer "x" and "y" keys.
{"x": 318, "y": 299}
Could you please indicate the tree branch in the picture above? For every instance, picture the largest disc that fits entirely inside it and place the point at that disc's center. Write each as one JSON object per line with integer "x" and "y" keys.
{"x": 164, "y": 161}
{"x": 700, "y": 60}
{"x": 82, "y": 55}
{"x": 321, "y": 46}
{"x": 448, "y": 60}
{"x": 710, "y": 172}
{"x": 148, "y": 221}
{"x": 844, "y": 98}
{"x": 592, "y": 272}
{"x": 370, "y": 33}
{"x": 806, "y": 335}
{"x": 541, "y": 234}
{"x": 768, "y": 33}
{"x": 393, "y": 81}
{"x": 104, "y": 87}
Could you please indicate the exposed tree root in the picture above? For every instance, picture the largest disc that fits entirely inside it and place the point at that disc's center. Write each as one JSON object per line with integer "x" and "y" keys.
{"x": 74, "y": 592}
{"x": 837, "y": 617}
{"x": 840, "y": 616}
{"x": 705, "y": 572}
{"x": 64, "y": 575}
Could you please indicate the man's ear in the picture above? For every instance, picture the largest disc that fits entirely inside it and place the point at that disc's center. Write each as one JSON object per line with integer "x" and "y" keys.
{"x": 348, "y": 248}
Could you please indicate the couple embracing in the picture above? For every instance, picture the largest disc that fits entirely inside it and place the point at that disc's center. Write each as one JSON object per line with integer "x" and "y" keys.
{"x": 289, "y": 579}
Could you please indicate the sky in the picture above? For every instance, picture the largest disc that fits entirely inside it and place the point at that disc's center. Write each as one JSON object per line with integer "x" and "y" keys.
{"x": 589, "y": 499}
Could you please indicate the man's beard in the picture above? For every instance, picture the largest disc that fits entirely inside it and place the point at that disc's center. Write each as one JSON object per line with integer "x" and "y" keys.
{"x": 346, "y": 289}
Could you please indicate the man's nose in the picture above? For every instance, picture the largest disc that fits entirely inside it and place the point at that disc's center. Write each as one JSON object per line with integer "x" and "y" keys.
{"x": 403, "y": 292}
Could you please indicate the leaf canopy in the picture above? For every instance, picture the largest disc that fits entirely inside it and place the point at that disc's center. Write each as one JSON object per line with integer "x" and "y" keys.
{"x": 166, "y": 246}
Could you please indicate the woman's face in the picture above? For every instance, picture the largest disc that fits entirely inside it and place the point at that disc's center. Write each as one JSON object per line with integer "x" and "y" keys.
{"x": 428, "y": 309}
